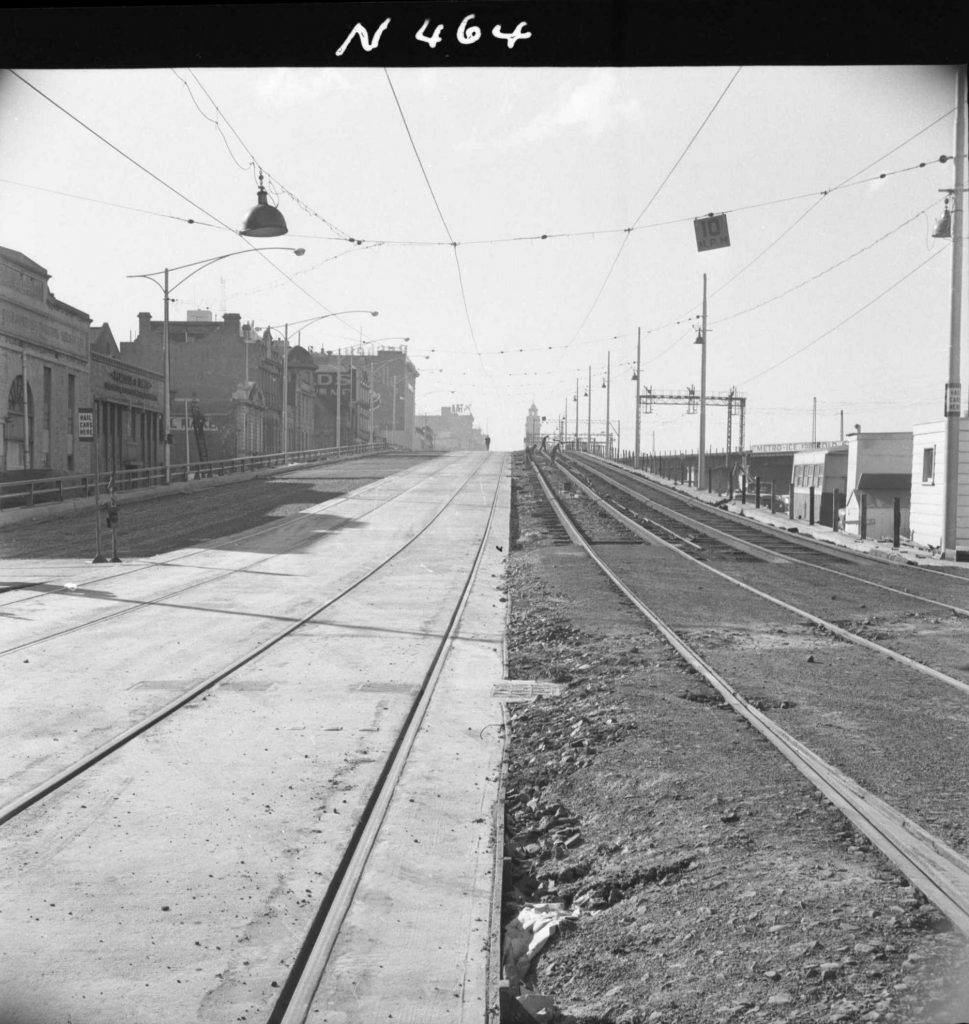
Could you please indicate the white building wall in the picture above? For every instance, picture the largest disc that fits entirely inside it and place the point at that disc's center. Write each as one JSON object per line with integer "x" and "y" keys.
{"x": 928, "y": 496}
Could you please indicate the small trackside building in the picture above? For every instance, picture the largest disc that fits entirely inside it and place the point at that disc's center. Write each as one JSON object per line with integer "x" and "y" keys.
{"x": 926, "y": 521}
{"x": 879, "y": 473}
{"x": 826, "y": 471}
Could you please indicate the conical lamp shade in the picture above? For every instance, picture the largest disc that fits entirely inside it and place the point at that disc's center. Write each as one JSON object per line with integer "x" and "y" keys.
{"x": 264, "y": 221}
{"x": 943, "y": 226}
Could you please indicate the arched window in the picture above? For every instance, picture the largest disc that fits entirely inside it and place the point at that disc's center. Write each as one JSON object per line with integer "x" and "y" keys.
{"x": 19, "y": 429}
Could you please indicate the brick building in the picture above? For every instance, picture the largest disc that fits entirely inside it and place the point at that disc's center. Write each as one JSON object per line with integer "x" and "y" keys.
{"x": 231, "y": 375}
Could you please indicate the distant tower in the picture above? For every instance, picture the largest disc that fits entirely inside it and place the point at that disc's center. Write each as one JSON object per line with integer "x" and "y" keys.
{"x": 533, "y": 426}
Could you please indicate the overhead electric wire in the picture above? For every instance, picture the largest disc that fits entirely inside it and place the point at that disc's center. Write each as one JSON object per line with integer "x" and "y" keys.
{"x": 105, "y": 202}
{"x": 343, "y": 235}
{"x": 848, "y": 318}
{"x": 171, "y": 188}
{"x": 440, "y": 212}
{"x": 642, "y": 213}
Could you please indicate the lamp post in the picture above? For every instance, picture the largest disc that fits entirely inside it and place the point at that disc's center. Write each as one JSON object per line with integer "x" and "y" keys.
{"x": 167, "y": 290}
{"x": 702, "y": 341}
{"x": 588, "y": 415}
{"x": 636, "y": 379}
{"x": 285, "y": 404}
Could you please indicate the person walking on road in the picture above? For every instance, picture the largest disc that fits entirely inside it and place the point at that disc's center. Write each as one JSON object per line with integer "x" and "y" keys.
{"x": 487, "y": 443}
{"x": 555, "y": 451}
{"x": 544, "y": 447}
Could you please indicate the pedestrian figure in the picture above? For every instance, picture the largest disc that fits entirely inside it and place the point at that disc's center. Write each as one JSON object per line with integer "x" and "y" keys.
{"x": 555, "y": 452}
{"x": 487, "y": 443}
{"x": 544, "y": 444}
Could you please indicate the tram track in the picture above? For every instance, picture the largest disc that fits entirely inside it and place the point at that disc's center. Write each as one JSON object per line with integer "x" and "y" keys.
{"x": 937, "y": 868}
{"x": 354, "y": 694}
{"x": 765, "y": 541}
{"x": 701, "y": 554}
{"x": 45, "y": 589}
{"x": 18, "y": 804}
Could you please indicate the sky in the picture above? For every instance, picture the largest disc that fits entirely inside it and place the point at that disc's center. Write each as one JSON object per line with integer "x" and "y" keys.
{"x": 522, "y": 228}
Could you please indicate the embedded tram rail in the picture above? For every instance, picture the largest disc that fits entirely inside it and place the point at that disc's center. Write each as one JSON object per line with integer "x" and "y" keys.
{"x": 921, "y": 824}
{"x": 322, "y": 701}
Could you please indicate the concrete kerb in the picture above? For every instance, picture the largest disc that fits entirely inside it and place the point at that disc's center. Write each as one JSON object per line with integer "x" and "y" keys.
{"x": 55, "y": 510}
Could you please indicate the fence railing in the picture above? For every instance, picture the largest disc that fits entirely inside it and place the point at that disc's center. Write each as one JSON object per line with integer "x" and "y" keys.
{"x": 25, "y": 493}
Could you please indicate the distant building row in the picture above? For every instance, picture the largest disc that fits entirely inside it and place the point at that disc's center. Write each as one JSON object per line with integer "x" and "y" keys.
{"x": 225, "y": 376}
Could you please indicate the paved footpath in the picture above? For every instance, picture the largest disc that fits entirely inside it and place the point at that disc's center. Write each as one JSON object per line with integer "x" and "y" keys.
{"x": 177, "y": 880}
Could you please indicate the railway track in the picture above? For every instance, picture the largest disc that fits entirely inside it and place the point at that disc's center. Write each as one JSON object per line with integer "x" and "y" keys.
{"x": 863, "y": 764}
{"x": 440, "y": 542}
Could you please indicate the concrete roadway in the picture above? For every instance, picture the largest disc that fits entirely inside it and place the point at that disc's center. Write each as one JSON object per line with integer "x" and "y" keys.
{"x": 176, "y": 880}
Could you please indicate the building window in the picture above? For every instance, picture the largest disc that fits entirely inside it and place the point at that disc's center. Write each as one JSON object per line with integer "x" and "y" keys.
{"x": 928, "y": 465}
{"x": 71, "y": 402}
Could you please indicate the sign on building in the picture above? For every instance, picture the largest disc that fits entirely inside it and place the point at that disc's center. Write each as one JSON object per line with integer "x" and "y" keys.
{"x": 711, "y": 232}
{"x": 85, "y": 424}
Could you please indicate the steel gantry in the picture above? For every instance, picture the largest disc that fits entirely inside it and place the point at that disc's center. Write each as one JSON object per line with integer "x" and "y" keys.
{"x": 736, "y": 406}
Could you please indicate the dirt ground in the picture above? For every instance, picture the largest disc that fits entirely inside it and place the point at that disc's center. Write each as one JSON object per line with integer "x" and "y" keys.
{"x": 703, "y": 878}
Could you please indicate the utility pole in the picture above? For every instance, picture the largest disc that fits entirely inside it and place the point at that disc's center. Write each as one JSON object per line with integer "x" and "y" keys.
{"x": 588, "y": 416}
{"x": 639, "y": 338}
{"x": 576, "y": 413}
{"x": 608, "y": 391}
{"x": 701, "y": 456}
{"x": 814, "y": 422}
{"x": 953, "y": 403}
{"x": 285, "y": 448}
{"x": 339, "y": 390}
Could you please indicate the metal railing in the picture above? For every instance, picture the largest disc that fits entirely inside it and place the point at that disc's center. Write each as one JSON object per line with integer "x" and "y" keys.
{"x": 26, "y": 493}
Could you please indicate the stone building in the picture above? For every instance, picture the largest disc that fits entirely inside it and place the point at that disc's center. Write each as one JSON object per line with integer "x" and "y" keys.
{"x": 128, "y": 408}
{"x": 44, "y": 373}
{"x": 533, "y": 427}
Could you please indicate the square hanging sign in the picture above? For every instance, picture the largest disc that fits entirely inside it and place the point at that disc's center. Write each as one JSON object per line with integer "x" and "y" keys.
{"x": 711, "y": 232}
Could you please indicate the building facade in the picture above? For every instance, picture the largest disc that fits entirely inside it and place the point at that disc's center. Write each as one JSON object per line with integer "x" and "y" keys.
{"x": 453, "y": 430}
{"x": 128, "y": 409}
{"x": 44, "y": 373}
{"x": 533, "y": 427}
{"x": 927, "y": 515}
{"x": 227, "y": 375}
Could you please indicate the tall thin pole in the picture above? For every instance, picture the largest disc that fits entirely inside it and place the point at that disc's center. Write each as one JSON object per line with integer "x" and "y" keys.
{"x": 954, "y": 387}
{"x": 339, "y": 391}
{"x": 588, "y": 417}
{"x": 577, "y": 413}
{"x": 608, "y": 390}
{"x": 286, "y": 393}
{"x": 639, "y": 334}
{"x": 814, "y": 422}
{"x": 701, "y": 457}
{"x": 28, "y": 440}
{"x": 168, "y": 387}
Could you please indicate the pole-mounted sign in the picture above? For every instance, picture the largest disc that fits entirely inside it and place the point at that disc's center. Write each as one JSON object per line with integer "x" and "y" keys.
{"x": 711, "y": 232}
{"x": 953, "y": 399}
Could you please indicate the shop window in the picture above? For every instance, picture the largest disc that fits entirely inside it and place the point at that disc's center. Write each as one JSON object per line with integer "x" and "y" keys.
{"x": 928, "y": 465}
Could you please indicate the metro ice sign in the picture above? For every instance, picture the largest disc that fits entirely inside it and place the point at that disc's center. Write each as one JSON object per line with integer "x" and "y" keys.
{"x": 711, "y": 232}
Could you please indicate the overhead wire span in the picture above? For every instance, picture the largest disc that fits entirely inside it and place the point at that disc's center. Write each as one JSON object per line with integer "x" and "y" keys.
{"x": 841, "y": 323}
{"x": 652, "y": 199}
{"x": 170, "y": 187}
{"x": 274, "y": 183}
{"x": 440, "y": 212}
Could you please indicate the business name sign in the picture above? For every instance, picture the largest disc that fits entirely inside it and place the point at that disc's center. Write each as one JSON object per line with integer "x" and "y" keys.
{"x": 711, "y": 232}
{"x": 85, "y": 424}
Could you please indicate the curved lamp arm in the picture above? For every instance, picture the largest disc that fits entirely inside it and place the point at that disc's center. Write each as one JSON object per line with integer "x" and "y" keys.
{"x": 202, "y": 264}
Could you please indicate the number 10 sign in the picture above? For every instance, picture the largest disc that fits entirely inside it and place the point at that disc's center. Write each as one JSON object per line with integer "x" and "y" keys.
{"x": 711, "y": 232}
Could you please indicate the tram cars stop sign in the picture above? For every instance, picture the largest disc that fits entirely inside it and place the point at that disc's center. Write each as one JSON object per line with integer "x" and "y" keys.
{"x": 85, "y": 424}
{"x": 711, "y": 232}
